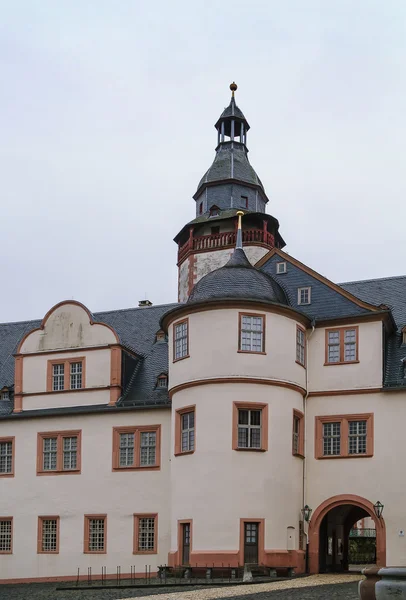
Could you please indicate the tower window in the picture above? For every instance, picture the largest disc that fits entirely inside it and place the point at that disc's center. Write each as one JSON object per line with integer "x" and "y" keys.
{"x": 281, "y": 268}
{"x": 244, "y": 201}
{"x": 200, "y": 208}
{"x": 304, "y": 295}
{"x": 214, "y": 211}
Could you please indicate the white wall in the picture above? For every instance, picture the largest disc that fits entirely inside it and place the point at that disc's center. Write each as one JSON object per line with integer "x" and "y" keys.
{"x": 97, "y": 490}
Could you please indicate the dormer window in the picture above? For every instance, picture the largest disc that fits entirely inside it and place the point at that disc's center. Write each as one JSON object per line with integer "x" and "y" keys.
{"x": 304, "y": 295}
{"x": 5, "y": 395}
{"x": 162, "y": 381}
{"x": 160, "y": 336}
{"x": 404, "y": 335}
{"x": 280, "y": 268}
{"x": 214, "y": 211}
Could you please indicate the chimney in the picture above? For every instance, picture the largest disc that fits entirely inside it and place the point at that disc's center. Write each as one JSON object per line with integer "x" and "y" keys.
{"x": 142, "y": 303}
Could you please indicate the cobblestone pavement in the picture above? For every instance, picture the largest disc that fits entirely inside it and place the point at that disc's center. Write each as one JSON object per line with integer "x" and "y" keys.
{"x": 316, "y": 587}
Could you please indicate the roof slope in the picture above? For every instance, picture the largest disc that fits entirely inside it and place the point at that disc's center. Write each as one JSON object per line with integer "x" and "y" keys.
{"x": 231, "y": 163}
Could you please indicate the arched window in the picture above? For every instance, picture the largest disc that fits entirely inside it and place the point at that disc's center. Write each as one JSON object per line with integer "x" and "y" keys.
{"x": 162, "y": 381}
{"x": 214, "y": 211}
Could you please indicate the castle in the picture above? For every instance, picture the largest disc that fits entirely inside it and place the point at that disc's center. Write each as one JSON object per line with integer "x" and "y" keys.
{"x": 254, "y": 421}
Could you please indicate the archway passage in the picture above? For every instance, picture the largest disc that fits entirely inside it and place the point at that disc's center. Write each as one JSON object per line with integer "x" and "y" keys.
{"x": 329, "y": 532}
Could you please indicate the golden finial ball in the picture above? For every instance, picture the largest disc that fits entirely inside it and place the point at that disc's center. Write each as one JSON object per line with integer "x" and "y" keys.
{"x": 233, "y": 86}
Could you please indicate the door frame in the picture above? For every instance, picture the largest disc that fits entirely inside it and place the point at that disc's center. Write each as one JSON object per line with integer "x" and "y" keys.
{"x": 261, "y": 540}
{"x": 180, "y": 539}
{"x": 333, "y": 502}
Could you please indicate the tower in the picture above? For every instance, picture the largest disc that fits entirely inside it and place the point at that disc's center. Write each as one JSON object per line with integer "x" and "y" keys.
{"x": 230, "y": 184}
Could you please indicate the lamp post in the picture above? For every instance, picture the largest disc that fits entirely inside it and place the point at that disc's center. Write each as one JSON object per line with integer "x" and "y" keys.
{"x": 378, "y": 508}
{"x": 307, "y": 511}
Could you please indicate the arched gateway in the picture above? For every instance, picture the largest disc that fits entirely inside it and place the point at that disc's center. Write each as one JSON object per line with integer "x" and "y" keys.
{"x": 349, "y": 508}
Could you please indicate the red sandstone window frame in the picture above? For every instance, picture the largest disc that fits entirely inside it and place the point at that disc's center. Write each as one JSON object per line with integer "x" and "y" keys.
{"x": 258, "y": 315}
{"x": 67, "y": 376}
{"x": 6, "y": 440}
{"x": 10, "y": 520}
{"x": 344, "y": 437}
{"x": 137, "y": 518}
{"x": 342, "y": 331}
{"x": 264, "y": 425}
{"x": 178, "y": 429}
{"x": 297, "y": 414}
{"x": 86, "y": 536}
{"x": 136, "y": 430}
{"x": 40, "y": 534}
{"x": 60, "y": 435}
{"x": 174, "y": 359}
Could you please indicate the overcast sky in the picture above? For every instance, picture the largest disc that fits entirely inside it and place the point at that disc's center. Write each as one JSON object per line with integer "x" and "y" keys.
{"x": 106, "y": 126}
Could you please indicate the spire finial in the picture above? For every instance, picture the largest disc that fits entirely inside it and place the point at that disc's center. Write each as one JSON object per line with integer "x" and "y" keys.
{"x": 239, "y": 230}
{"x": 233, "y": 88}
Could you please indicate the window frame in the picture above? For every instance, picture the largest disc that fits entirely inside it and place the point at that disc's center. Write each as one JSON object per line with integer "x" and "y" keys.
{"x": 344, "y": 436}
{"x": 7, "y": 439}
{"x": 137, "y": 518}
{"x": 174, "y": 359}
{"x": 60, "y": 435}
{"x": 67, "y": 378}
{"x": 11, "y": 520}
{"x": 304, "y": 363}
{"x": 240, "y": 317}
{"x": 297, "y": 414}
{"x": 162, "y": 377}
{"x": 237, "y": 406}
{"x": 342, "y": 331}
{"x": 245, "y": 201}
{"x": 41, "y": 520}
{"x": 285, "y": 267}
{"x": 86, "y": 536}
{"x": 178, "y": 429}
{"x": 299, "y": 290}
{"x": 136, "y": 430}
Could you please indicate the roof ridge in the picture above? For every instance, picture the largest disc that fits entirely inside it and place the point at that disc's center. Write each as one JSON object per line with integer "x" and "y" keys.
{"x": 20, "y": 322}
{"x": 374, "y": 279}
{"x": 120, "y": 310}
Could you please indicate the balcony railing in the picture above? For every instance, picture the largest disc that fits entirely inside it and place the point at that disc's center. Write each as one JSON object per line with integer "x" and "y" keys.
{"x": 370, "y": 533}
{"x": 226, "y": 239}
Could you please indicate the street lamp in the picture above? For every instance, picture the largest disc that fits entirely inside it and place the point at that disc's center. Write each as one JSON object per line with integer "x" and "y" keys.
{"x": 307, "y": 511}
{"x": 378, "y": 508}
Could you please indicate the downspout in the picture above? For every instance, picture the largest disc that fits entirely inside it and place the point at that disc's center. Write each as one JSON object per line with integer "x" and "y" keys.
{"x": 306, "y": 533}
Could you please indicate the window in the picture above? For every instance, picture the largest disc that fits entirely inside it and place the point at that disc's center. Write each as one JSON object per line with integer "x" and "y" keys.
{"x": 7, "y": 457}
{"x": 66, "y": 374}
{"x": 5, "y": 395}
{"x": 145, "y": 534}
{"x": 214, "y": 211}
{"x": 48, "y": 535}
{"x": 160, "y": 336}
{"x": 250, "y": 426}
{"x": 181, "y": 340}
{"x": 59, "y": 452}
{"x": 185, "y": 430}
{"x": 341, "y": 345}
{"x": 298, "y": 433}
{"x": 244, "y": 201}
{"x": 281, "y": 268}
{"x": 304, "y": 295}
{"x": 300, "y": 346}
{"x": 252, "y": 333}
{"x": 6, "y": 535}
{"x": 95, "y": 534}
{"x": 200, "y": 208}
{"x": 136, "y": 447}
{"x": 344, "y": 436}
{"x": 162, "y": 381}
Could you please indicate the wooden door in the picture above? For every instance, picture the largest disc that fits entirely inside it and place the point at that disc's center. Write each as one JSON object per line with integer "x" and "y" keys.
{"x": 251, "y": 543}
{"x": 185, "y": 543}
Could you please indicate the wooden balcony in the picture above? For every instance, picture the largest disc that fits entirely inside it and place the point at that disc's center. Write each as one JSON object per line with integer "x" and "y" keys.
{"x": 227, "y": 239}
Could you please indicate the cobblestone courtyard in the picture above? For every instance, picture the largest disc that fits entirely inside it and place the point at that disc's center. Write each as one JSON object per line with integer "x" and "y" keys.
{"x": 316, "y": 587}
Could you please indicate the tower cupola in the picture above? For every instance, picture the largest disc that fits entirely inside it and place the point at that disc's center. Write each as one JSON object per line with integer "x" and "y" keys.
{"x": 232, "y": 123}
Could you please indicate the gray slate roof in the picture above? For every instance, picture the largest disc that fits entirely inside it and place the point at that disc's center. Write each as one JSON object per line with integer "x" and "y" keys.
{"x": 231, "y": 163}
{"x": 136, "y": 328}
{"x": 232, "y": 110}
{"x": 388, "y": 290}
{"x": 238, "y": 279}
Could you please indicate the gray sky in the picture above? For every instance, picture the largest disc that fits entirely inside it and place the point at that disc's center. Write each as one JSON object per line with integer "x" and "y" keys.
{"x": 106, "y": 125}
